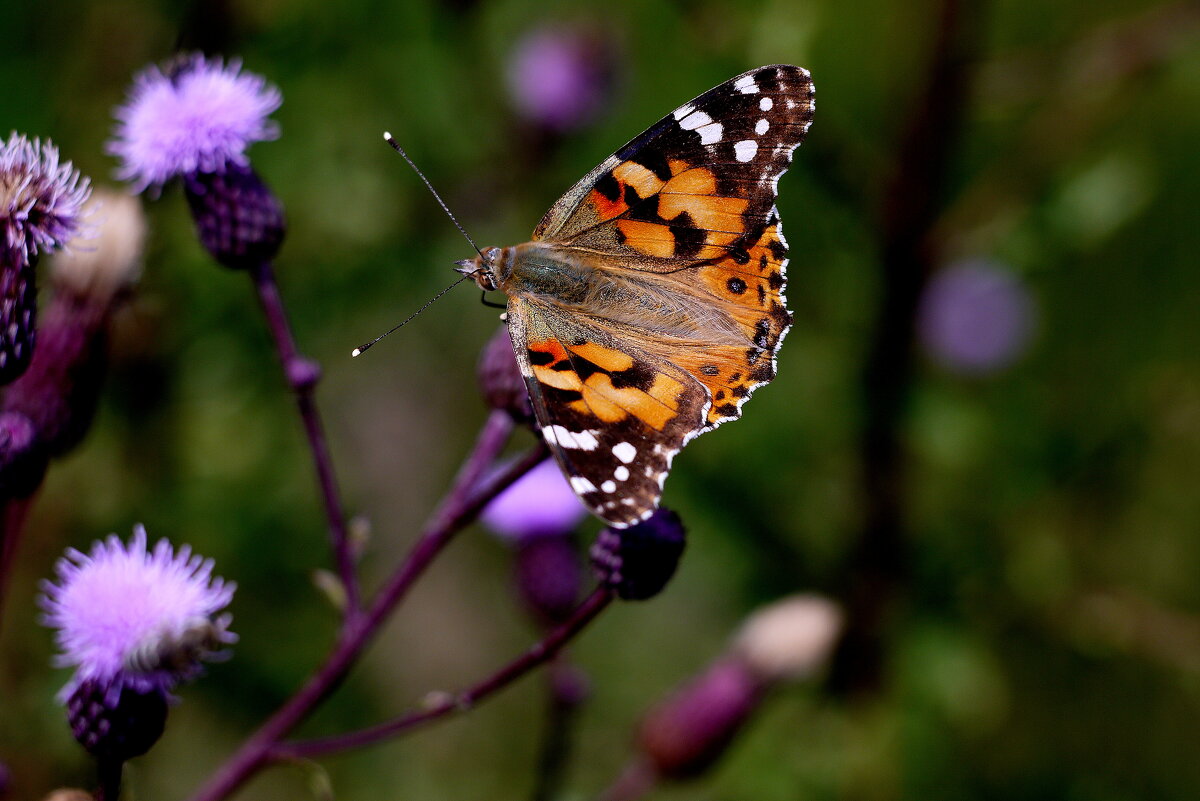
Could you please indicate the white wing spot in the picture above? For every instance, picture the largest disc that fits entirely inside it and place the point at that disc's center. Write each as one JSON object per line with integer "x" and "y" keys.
{"x": 621, "y": 473}
{"x": 609, "y": 486}
{"x": 582, "y": 485}
{"x": 683, "y": 111}
{"x": 761, "y": 127}
{"x": 746, "y": 85}
{"x": 766, "y": 103}
{"x": 745, "y": 149}
{"x": 624, "y": 451}
{"x": 710, "y": 134}
{"x": 693, "y": 120}
{"x": 581, "y": 440}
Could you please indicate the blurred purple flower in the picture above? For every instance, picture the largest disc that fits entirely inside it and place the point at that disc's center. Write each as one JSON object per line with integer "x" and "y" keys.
{"x": 559, "y": 77}
{"x": 975, "y": 317}
{"x": 541, "y": 503}
{"x": 197, "y": 116}
{"x": 137, "y": 619}
{"x": 40, "y": 199}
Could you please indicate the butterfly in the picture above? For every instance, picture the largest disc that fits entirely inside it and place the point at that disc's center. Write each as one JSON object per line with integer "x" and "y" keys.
{"x": 648, "y": 304}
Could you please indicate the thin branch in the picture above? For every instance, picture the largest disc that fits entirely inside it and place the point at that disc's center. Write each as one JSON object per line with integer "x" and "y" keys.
{"x": 461, "y": 701}
{"x": 907, "y": 253}
{"x": 469, "y": 494}
{"x": 302, "y": 376}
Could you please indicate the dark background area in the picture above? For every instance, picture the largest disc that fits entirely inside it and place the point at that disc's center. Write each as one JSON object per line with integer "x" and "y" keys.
{"x": 1014, "y": 535}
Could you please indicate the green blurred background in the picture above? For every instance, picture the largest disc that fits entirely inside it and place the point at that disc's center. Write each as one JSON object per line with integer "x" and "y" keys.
{"x": 1031, "y": 605}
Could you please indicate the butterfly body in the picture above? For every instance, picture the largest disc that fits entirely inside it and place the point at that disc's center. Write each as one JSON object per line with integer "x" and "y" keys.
{"x": 649, "y": 304}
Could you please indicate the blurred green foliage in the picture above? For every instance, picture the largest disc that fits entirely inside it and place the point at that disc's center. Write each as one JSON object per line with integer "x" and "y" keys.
{"x": 1045, "y": 643}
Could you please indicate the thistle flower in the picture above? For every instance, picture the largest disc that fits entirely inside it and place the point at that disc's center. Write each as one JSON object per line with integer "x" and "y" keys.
{"x": 40, "y": 209}
{"x": 195, "y": 119}
{"x": 40, "y": 199}
{"x": 975, "y": 317}
{"x": 539, "y": 504}
{"x": 197, "y": 115}
{"x": 538, "y": 515}
{"x": 559, "y": 77}
{"x": 132, "y": 618}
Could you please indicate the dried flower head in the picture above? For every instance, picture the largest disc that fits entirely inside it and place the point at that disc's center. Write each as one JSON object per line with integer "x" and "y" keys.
{"x": 791, "y": 638}
{"x": 40, "y": 199}
{"x": 111, "y": 259}
{"x": 196, "y": 115}
{"x": 128, "y": 617}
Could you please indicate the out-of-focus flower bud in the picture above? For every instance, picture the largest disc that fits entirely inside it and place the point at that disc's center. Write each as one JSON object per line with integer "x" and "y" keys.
{"x": 790, "y": 639}
{"x": 500, "y": 380}
{"x": 688, "y": 731}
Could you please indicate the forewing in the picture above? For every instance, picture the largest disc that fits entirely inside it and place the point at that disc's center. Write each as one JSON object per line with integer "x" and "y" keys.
{"x": 613, "y": 414}
{"x": 699, "y": 183}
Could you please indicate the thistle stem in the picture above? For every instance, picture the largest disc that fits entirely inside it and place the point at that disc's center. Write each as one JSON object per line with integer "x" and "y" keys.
{"x": 461, "y": 701}
{"x": 470, "y": 492}
{"x": 109, "y": 771}
{"x": 302, "y": 376}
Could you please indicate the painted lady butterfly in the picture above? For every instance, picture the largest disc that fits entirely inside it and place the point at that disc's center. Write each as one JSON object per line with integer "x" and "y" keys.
{"x": 649, "y": 303}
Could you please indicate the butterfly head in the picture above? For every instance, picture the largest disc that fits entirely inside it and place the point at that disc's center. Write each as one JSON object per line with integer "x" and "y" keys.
{"x": 484, "y": 268}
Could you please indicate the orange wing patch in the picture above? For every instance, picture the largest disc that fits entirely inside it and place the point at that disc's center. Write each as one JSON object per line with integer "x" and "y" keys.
{"x": 612, "y": 386}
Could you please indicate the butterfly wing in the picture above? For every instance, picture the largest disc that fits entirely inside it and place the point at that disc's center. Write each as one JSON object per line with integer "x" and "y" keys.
{"x": 685, "y": 211}
{"x": 692, "y": 199}
{"x": 613, "y": 413}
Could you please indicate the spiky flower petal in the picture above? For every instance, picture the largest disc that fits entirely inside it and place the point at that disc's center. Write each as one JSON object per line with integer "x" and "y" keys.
{"x": 128, "y": 617}
{"x": 195, "y": 115}
{"x": 40, "y": 198}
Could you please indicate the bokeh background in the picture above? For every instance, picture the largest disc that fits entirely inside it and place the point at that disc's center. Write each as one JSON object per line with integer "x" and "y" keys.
{"x": 984, "y": 439}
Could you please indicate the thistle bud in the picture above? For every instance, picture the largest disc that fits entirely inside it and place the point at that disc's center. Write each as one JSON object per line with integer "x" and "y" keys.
{"x": 238, "y": 219}
{"x": 638, "y": 561}
{"x": 500, "y": 379}
{"x": 116, "y": 729}
{"x": 691, "y": 728}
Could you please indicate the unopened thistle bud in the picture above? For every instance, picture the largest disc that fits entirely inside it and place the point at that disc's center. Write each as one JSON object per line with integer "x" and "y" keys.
{"x": 500, "y": 379}
{"x": 638, "y": 561}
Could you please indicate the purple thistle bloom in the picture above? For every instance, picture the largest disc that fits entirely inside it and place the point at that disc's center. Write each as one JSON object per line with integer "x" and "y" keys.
{"x": 975, "y": 317}
{"x": 541, "y": 503}
{"x": 559, "y": 77}
{"x": 40, "y": 199}
{"x": 197, "y": 116}
{"x": 137, "y": 619}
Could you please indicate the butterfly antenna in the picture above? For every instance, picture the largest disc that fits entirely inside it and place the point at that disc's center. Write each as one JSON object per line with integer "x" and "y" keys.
{"x": 396, "y": 146}
{"x": 359, "y": 350}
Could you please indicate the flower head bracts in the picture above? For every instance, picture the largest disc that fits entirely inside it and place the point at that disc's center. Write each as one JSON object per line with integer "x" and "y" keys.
{"x": 40, "y": 198}
{"x": 195, "y": 116}
{"x": 131, "y": 617}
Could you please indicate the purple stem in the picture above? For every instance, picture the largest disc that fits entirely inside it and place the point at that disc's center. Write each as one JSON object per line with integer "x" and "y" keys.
{"x": 302, "y": 375}
{"x": 469, "y": 494}
{"x": 461, "y": 701}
